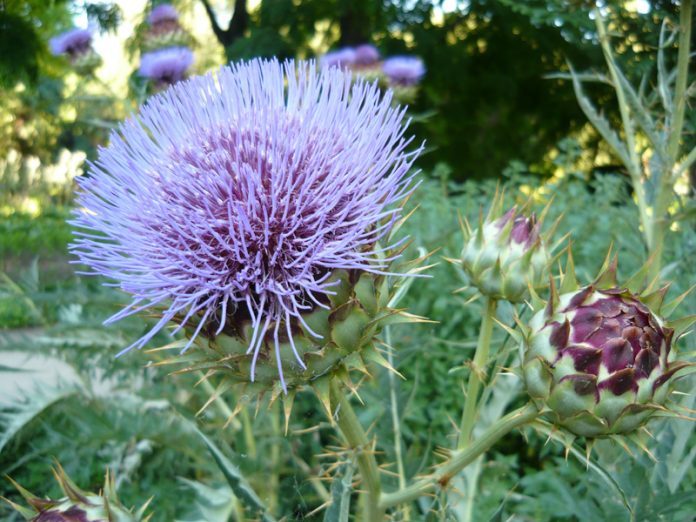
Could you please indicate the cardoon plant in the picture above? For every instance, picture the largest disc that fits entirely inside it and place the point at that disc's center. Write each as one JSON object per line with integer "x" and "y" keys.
{"x": 254, "y": 209}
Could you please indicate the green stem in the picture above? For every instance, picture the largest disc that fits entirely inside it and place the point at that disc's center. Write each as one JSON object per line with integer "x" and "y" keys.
{"x": 634, "y": 165}
{"x": 477, "y": 371}
{"x": 249, "y": 440}
{"x": 357, "y": 439}
{"x": 275, "y": 459}
{"x": 461, "y": 458}
{"x": 660, "y": 221}
{"x": 396, "y": 424}
{"x": 682, "y": 77}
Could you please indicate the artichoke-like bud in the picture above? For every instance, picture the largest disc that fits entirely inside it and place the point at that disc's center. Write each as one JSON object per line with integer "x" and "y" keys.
{"x": 77, "y": 505}
{"x": 599, "y": 359}
{"x": 506, "y": 254}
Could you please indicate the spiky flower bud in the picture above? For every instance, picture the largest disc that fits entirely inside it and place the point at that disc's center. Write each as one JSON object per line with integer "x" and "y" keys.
{"x": 599, "y": 358}
{"x": 77, "y": 505}
{"x": 506, "y": 254}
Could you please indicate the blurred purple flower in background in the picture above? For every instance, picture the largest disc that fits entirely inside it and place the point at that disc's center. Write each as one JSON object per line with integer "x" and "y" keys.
{"x": 163, "y": 13}
{"x": 366, "y": 54}
{"x": 344, "y": 57}
{"x": 76, "y": 45}
{"x": 166, "y": 66}
{"x": 238, "y": 195}
{"x": 74, "y": 42}
{"x": 404, "y": 70}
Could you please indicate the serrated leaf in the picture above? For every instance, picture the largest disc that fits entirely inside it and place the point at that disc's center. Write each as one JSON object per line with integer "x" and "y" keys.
{"x": 15, "y": 417}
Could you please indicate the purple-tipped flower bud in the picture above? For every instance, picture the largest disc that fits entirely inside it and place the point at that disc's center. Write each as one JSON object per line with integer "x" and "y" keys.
{"x": 166, "y": 66}
{"x": 598, "y": 358}
{"x": 506, "y": 255}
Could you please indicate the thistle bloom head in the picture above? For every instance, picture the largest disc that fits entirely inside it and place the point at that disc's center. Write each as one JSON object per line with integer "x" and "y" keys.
{"x": 166, "y": 66}
{"x": 366, "y": 54}
{"x": 404, "y": 71}
{"x": 76, "y": 44}
{"x": 251, "y": 207}
{"x": 599, "y": 358}
{"x": 505, "y": 254}
{"x": 341, "y": 58}
{"x": 163, "y": 13}
{"x": 73, "y": 42}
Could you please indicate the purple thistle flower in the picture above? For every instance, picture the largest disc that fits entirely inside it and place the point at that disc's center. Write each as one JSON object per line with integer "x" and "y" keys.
{"x": 366, "y": 54}
{"x": 162, "y": 13}
{"x": 241, "y": 193}
{"x": 72, "y": 42}
{"x": 166, "y": 66}
{"x": 404, "y": 70}
{"x": 340, "y": 58}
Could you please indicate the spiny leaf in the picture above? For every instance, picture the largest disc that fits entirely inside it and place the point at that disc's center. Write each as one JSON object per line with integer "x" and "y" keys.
{"x": 236, "y": 480}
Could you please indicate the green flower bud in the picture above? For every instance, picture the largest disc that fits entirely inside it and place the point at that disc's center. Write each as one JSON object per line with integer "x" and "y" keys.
{"x": 506, "y": 254}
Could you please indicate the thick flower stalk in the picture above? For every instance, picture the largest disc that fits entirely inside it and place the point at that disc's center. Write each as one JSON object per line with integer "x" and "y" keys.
{"x": 599, "y": 359}
{"x": 77, "y": 505}
{"x": 254, "y": 208}
{"x": 166, "y": 66}
{"x": 76, "y": 45}
{"x": 506, "y": 254}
